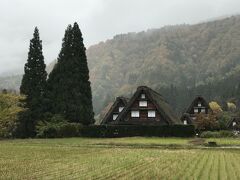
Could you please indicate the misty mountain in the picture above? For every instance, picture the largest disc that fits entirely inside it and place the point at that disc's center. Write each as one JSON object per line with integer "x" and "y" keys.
{"x": 13, "y": 82}
{"x": 181, "y": 55}
{"x": 10, "y": 82}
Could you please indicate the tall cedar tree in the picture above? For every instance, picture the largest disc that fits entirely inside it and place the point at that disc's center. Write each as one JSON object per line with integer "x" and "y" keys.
{"x": 33, "y": 87}
{"x": 69, "y": 87}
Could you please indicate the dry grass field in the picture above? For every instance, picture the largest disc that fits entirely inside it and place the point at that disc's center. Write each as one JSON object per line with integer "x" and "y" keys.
{"x": 120, "y": 158}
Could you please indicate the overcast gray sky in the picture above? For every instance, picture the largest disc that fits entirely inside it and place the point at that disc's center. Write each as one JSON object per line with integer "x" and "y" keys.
{"x": 98, "y": 19}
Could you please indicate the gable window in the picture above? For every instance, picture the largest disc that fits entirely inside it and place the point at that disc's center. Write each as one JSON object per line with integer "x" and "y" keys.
{"x": 199, "y": 104}
{"x": 143, "y": 96}
{"x": 185, "y": 122}
{"x": 120, "y": 109}
{"x": 203, "y": 110}
{"x": 151, "y": 113}
{"x": 195, "y": 110}
{"x": 135, "y": 114}
{"x": 115, "y": 117}
{"x": 234, "y": 123}
{"x": 142, "y": 103}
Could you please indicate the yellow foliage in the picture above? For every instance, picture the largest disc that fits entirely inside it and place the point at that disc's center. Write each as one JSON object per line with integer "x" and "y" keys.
{"x": 9, "y": 109}
{"x": 231, "y": 106}
{"x": 215, "y": 107}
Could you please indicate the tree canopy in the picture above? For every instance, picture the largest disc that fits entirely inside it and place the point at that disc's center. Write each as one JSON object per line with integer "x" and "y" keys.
{"x": 10, "y": 107}
{"x": 33, "y": 87}
{"x": 69, "y": 89}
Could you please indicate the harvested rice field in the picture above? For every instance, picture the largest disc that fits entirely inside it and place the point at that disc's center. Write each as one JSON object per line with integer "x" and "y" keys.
{"x": 120, "y": 158}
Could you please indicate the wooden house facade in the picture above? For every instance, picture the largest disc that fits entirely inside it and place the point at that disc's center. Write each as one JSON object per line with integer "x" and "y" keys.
{"x": 199, "y": 105}
{"x": 146, "y": 107}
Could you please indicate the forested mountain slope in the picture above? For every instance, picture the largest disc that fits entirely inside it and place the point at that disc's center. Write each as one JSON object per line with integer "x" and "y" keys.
{"x": 183, "y": 56}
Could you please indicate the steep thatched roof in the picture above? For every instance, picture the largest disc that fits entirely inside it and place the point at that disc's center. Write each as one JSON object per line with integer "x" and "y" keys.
{"x": 186, "y": 116}
{"x": 197, "y": 99}
{"x": 162, "y": 106}
{"x": 110, "y": 108}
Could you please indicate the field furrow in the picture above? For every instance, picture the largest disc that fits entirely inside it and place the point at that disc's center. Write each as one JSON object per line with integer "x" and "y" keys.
{"x": 235, "y": 162}
{"x": 184, "y": 166}
{"x": 222, "y": 167}
{"x": 68, "y": 159}
{"x": 193, "y": 166}
{"x": 201, "y": 166}
{"x": 213, "y": 172}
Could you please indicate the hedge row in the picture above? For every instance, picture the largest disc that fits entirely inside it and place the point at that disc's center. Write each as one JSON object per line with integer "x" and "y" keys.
{"x": 132, "y": 130}
{"x": 218, "y": 134}
{"x": 59, "y": 130}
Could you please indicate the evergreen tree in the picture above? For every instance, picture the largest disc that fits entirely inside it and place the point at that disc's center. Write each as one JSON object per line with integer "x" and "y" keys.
{"x": 56, "y": 97}
{"x": 33, "y": 87}
{"x": 69, "y": 87}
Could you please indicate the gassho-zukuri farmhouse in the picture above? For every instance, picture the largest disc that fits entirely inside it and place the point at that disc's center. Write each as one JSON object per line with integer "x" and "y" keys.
{"x": 148, "y": 107}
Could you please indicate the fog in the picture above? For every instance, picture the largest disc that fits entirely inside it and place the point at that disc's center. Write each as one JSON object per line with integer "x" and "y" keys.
{"x": 98, "y": 19}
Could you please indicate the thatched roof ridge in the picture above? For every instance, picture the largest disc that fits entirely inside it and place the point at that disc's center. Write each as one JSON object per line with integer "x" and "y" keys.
{"x": 162, "y": 106}
{"x": 113, "y": 106}
{"x": 197, "y": 98}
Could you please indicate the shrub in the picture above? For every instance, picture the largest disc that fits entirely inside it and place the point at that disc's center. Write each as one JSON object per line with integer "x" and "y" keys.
{"x": 223, "y": 120}
{"x": 210, "y": 134}
{"x": 216, "y": 134}
{"x": 206, "y": 122}
{"x": 9, "y": 110}
{"x": 226, "y": 134}
{"x": 57, "y": 127}
{"x": 136, "y": 130}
